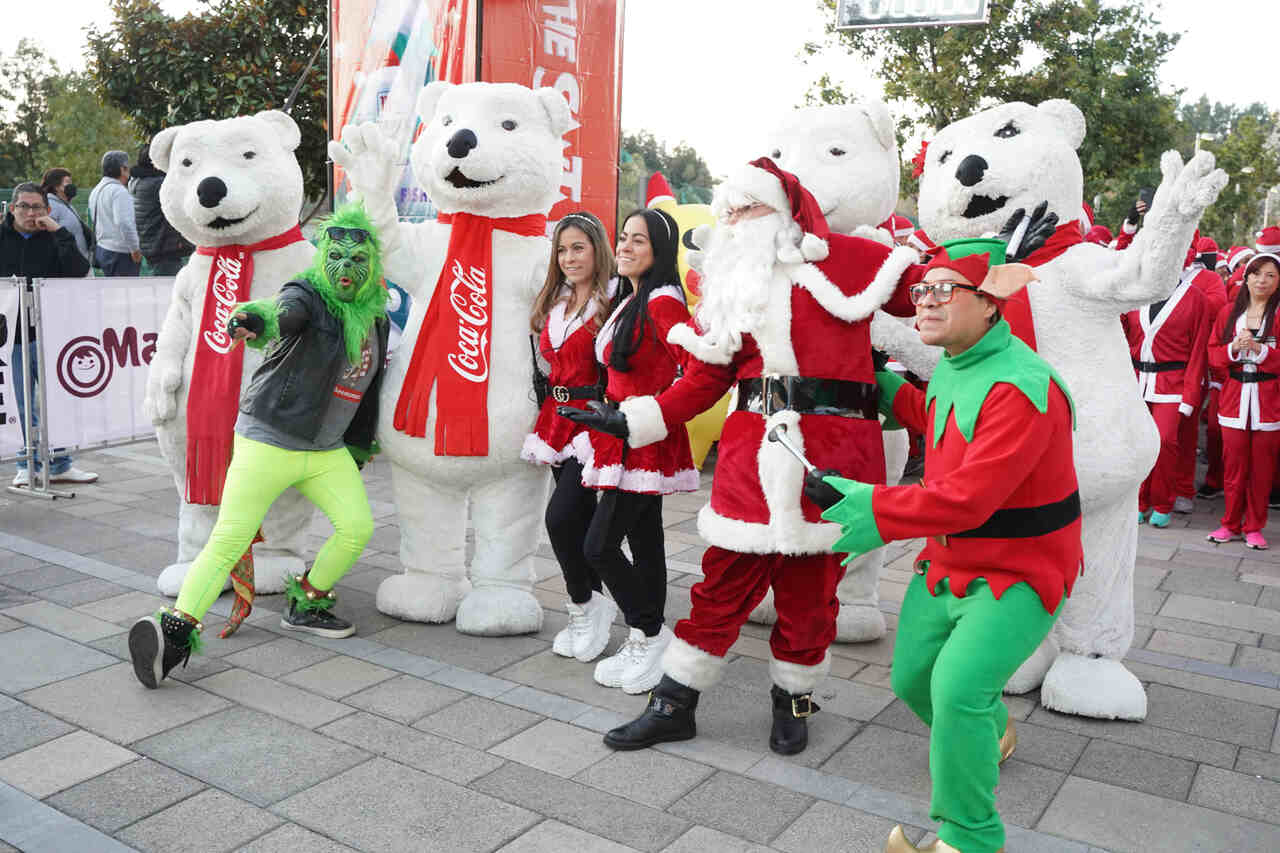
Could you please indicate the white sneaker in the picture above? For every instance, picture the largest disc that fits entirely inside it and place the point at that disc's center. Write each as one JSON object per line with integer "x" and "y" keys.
{"x": 1183, "y": 505}
{"x": 609, "y": 671}
{"x": 23, "y": 477}
{"x": 637, "y": 666}
{"x": 589, "y": 626}
{"x": 74, "y": 475}
{"x": 562, "y": 645}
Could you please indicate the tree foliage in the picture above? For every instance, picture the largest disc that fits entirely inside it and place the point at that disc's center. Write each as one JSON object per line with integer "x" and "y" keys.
{"x": 26, "y": 81}
{"x": 1248, "y": 151}
{"x": 642, "y": 154}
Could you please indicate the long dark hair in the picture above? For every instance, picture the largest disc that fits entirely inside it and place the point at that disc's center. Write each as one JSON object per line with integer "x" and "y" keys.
{"x": 664, "y": 237}
{"x": 1242, "y": 304}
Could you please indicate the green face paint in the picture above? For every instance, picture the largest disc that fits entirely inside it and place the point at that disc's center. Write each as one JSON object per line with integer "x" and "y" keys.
{"x": 347, "y": 273}
{"x": 347, "y": 266}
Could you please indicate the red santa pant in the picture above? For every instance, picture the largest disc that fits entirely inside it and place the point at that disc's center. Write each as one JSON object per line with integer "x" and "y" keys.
{"x": 804, "y": 594}
{"x": 1161, "y": 485}
{"x": 1249, "y": 466}
{"x": 1188, "y": 442}
{"x": 1213, "y": 444}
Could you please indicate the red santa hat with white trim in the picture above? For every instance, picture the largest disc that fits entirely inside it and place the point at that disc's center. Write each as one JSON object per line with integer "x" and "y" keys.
{"x": 658, "y": 190}
{"x": 899, "y": 226}
{"x": 1236, "y": 255}
{"x": 761, "y": 181}
{"x": 1269, "y": 240}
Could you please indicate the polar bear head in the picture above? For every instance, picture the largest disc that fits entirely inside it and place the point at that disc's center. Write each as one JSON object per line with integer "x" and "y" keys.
{"x": 846, "y": 156}
{"x": 230, "y": 181}
{"x": 492, "y": 149}
{"x": 981, "y": 169}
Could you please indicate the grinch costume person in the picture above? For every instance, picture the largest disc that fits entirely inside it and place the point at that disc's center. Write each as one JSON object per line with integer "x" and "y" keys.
{"x": 1001, "y": 509}
{"x": 306, "y": 420}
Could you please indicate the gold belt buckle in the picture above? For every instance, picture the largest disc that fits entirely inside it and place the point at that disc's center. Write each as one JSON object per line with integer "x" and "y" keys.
{"x": 808, "y": 706}
{"x": 560, "y": 394}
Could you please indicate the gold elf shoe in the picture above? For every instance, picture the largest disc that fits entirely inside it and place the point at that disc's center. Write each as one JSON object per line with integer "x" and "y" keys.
{"x": 1009, "y": 742}
{"x": 898, "y": 843}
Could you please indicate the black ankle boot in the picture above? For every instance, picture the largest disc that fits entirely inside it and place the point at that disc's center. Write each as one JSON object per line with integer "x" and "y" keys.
{"x": 790, "y": 721}
{"x": 159, "y": 643}
{"x": 668, "y": 717}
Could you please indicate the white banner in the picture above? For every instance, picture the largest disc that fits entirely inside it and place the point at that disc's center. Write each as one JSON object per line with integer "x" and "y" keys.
{"x": 98, "y": 336}
{"x": 10, "y": 429}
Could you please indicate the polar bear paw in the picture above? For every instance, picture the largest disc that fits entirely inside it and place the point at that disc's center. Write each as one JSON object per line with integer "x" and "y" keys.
{"x": 1093, "y": 687}
{"x": 271, "y": 570}
{"x": 160, "y": 403}
{"x": 859, "y": 623}
{"x": 499, "y": 611}
{"x": 1033, "y": 669}
{"x": 1193, "y": 187}
{"x": 421, "y": 597}
{"x": 370, "y": 160}
{"x": 764, "y": 614}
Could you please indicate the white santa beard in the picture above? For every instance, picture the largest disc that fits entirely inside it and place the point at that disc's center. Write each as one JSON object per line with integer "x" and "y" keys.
{"x": 738, "y": 274}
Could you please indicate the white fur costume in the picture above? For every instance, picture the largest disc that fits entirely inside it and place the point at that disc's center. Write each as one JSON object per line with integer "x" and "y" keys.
{"x": 263, "y": 196}
{"x": 506, "y": 495}
{"x": 1021, "y": 156}
{"x": 847, "y": 157}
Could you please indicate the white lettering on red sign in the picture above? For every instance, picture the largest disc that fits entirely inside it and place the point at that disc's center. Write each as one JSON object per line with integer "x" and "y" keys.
{"x": 226, "y": 281}
{"x": 559, "y": 44}
{"x": 471, "y": 304}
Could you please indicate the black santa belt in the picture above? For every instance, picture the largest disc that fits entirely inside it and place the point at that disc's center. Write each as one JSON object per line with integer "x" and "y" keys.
{"x": 1024, "y": 522}
{"x": 1247, "y": 376}
{"x": 1157, "y": 366}
{"x": 803, "y": 395}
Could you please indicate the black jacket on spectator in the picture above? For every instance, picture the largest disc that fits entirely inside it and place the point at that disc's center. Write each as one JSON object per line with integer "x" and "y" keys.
{"x": 157, "y": 238}
{"x": 45, "y": 254}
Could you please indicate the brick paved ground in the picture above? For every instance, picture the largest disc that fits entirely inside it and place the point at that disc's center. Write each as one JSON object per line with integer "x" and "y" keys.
{"x": 414, "y": 738}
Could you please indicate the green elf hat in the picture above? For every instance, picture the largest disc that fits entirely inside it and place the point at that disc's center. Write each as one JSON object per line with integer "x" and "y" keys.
{"x": 982, "y": 261}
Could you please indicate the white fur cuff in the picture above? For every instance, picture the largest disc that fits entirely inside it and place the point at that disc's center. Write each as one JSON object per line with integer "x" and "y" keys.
{"x": 691, "y": 666}
{"x": 710, "y": 351}
{"x": 796, "y": 678}
{"x": 644, "y": 421}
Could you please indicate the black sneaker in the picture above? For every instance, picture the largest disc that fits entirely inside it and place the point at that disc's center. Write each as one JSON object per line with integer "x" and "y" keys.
{"x": 1208, "y": 492}
{"x": 157, "y": 645}
{"x": 320, "y": 622}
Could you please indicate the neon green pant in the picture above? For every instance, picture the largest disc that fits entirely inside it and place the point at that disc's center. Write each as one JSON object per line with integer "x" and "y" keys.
{"x": 259, "y": 473}
{"x": 951, "y": 661}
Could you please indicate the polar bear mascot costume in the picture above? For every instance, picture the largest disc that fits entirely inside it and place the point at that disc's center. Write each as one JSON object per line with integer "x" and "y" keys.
{"x": 234, "y": 189}
{"x": 456, "y": 402}
{"x": 977, "y": 171}
{"x": 847, "y": 157}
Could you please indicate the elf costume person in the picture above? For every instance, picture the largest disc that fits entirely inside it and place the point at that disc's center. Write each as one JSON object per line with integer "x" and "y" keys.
{"x": 306, "y": 420}
{"x": 1001, "y": 509}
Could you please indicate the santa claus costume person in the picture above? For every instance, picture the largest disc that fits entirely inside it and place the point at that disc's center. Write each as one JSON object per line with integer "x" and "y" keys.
{"x": 1200, "y": 271}
{"x": 567, "y": 313}
{"x": 633, "y": 346}
{"x": 1243, "y": 343}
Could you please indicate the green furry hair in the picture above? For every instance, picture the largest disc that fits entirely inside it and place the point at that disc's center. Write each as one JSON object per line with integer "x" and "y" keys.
{"x": 269, "y": 311}
{"x": 357, "y": 316}
{"x": 294, "y": 592}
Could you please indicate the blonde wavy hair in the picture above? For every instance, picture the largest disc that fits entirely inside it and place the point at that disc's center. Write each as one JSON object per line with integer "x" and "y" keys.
{"x": 549, "y": 294}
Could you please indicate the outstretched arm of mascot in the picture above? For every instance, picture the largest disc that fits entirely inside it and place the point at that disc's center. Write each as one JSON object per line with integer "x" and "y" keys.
{"x": 165, "y": 376}
{"x": 1149, "y": 269}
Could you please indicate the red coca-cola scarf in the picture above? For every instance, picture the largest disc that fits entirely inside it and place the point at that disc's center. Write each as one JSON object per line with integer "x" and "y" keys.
{"x": 454, "y": 357}
{"x": 1017, "y": 308}
{"x": 213, "y": 401}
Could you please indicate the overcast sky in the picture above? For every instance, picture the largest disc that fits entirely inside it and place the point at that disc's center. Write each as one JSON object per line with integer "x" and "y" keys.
{"x": 708, "y": 71}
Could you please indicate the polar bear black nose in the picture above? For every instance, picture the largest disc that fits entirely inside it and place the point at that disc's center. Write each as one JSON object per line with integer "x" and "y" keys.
{"x": 971, "y": 170}
{"x": 461, "y": 143}
{"x": 210, "y": 191}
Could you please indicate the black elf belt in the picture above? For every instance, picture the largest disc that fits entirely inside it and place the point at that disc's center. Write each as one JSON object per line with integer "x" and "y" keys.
{"x": 806, "y": 396}
{"x": 565, "y": 393}
{"x": 1157, "y": 366}
{"x": 1259, "y": 376}
{"x": 1024, "y": 522}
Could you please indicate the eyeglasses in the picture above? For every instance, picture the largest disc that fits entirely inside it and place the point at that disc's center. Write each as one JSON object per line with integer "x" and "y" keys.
{"x": 355, "y": 235}
{"x": 37, "y": 208}
{"x": 942, "y": 291}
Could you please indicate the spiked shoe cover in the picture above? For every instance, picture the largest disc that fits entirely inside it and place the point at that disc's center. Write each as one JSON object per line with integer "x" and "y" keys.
{"x": 309, "y": 610}
{"x": 668, "y": 717}
{"x": 159, "y": 643}
{"x": 790, "y": 721}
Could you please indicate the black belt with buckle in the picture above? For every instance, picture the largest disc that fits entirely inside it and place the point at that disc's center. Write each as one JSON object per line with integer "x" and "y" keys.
{"x": 565, "y": 393}
{"x": 841, "y": 397}
{"x": 1250, "y": 376}
{"x": 1157, "y": 366}
{"x": 1025, "y": 522}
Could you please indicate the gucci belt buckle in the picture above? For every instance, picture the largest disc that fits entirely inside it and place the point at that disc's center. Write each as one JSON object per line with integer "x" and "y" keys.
{"x": 559, "y": 393}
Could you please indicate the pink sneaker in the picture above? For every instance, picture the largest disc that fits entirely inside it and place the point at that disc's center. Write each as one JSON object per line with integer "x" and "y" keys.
{"x": 1255, "y": 541}
{"x": 1222, "y": 534}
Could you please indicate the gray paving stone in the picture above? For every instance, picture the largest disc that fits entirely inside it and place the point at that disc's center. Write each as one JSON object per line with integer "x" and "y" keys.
{"x": 1164, "y": 741}
{"x": 1047, "y": 747}
{"x": 126, "y": 608}
{"x": 470, "y": 681}
{"x": 570, "y": 678}
{"x": 32, "y": 826}
{"x": 62, "y": 621}
{"x": 1188, "y": 646}
{"x": 1256, "y": 762}
{"x": 826, "y": 826}
{"x": 586, "y": 808}
{"x": 1210, "y": 716}
{"x": 291, "y": 838}
{"x": 1209, "y": 585}
{"x": 444, "y": 643}
{"x": 855, "y": 701}
{"x": 83, "y": 592}
{"x": 478, "y": 722}
{"x": 257, "y": 757}
{"x": 1125, "y": 821}
{"x": 197, "y": 667}
{"x": 1238, "y": 794}
{"x": 278, "y": 657}
{"x": 404, "y": 698}
{"x": 554, "y": 747}
{"x": 43, "y": 577}
{"x": 406, "y": 662}
{"x": 1264, "y": 660}
{"x": 365, "y": 808}
{"x": 210, "y": 822}
{"x": 61, "y": 763}
{"x": 747, "y": 808}
{"x": 546, "y": 704}
{"x": 338, "y": 676}
{"x": 22, "y": 727}
{"x": 1139, "y": 769}
{"x": 7, "y": 624}
{"x": 824, "y": 786}
{"x": 700, "y": 839}
{"x": 419, "y": 750}
{"x": 11, "y": 562}
{"x": 1202, "y": 677}
{"x": 30, "y": 657}
{"x": 646, "y": 776}
{"x": 264, "y": 694}
{"x": 112, "y": 703}
{"x": 1244, "y": 616}
{"x": 887, "y": 758}
{"x": 717, "y": 753}
{"x": 124, "y": 795}
{"x": 552, "y": 836}
{"x": 897, "y": 715}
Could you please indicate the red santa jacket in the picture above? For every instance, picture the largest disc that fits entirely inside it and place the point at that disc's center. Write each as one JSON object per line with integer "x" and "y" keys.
{"x": 816, "y": 326}
{"x": 1250, "y": 395}
{"x": 1169, "y": 346}
{"x": 1215, "y": 296}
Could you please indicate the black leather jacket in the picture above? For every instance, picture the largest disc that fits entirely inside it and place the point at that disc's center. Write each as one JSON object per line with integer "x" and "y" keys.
{"x": 292, "y": 388}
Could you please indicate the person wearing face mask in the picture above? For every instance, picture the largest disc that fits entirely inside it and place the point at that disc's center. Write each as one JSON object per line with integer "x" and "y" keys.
{"x": 164, "y": 248}
{"x": 58, "y": 185}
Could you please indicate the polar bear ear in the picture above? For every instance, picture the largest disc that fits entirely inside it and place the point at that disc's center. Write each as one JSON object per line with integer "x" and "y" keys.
{"x": 162, "y": 146}
{"x": 285, "y": 128}
{"x": 1067, "y": 117}
{"x": 558, "y": 113}
{"x": 881, "y": 123}
{"x": 429, "y": 99}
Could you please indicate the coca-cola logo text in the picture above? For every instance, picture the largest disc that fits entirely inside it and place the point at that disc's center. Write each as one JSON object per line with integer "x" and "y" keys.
{"x": 470, "y": 301}
{"x": 226, "y": 281}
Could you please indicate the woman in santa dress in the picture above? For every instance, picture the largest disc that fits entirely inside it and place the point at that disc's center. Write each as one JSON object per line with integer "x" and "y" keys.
{"x": 633, "y": 347}
{"x": 573, "y": 302}
{"x": 1243, "y": 344}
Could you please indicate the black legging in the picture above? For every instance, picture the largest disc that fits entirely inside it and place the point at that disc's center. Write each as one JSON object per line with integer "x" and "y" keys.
{"x": 569, "y": 514}
{"x": 639, "y": 589}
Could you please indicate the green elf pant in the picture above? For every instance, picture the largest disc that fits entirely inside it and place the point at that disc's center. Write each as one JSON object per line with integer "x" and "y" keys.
{"x": 259, "y": 473}
{"x": 951, "y": 661}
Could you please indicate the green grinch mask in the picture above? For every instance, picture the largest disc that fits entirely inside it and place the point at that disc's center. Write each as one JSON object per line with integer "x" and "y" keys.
{"x": 347, "y": 273}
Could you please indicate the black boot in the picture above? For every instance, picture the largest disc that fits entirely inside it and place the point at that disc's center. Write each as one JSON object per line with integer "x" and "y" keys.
{"x": 668, "y": 717}
{"x": 310, "y": 610}
{"x": 790, "y": 721}
{"x": 159, "y": 643}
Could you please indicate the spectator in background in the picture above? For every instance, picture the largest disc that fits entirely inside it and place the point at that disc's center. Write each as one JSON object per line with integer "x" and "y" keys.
{"x": 164, "y": 248}
{"x": 60, "y": 189}
{"x": 111, "y": 206}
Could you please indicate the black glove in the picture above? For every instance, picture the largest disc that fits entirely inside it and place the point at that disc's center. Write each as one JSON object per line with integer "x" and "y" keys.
{"x": 248, "y": 322}
{"x": 600, "y": 417}
{"x": 1040, "y": 228}
{"x": 821, "y": 493}
{"x": 1132, "y": 216}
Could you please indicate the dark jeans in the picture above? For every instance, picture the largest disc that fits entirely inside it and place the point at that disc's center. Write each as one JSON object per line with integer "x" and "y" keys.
{"x": 640, "y": 588}
{"x": 116, "y": 263}
{"x": 26, "y": 351}
{"x": 167, "y": 265}
{"x": 569, "y": 514}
